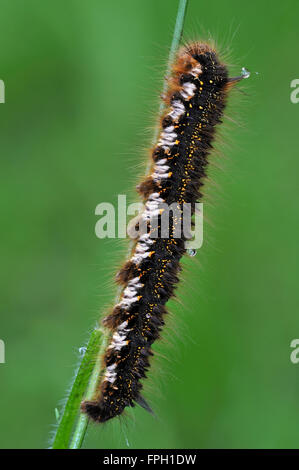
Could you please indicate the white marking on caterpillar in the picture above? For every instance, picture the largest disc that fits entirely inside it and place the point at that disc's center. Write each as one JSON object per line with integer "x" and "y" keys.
{"x": 162, "y": 161}
{"x": 188, "y": 90}
{"x": 130, "y": 294}
{"x": 110, "y": 375}
{"x": 196, "y": 71}
{"x": 139, "y": 257}
{"x": 146, "y": 238}
{"x": 169, "y": 129}
{"x": 118, "y": 341}
{"x": 178, "y": 109}
{"x": 119, "y": 337}
{"x": 160, "y": 169}
{"x": 152, "y": 206}
{"x": 167, "y": 140}
{"x": 123, "y": 325}
{"x": 142, "y": 249}
{"x": 126, "y": 303}
{"x": 157, "y": 177}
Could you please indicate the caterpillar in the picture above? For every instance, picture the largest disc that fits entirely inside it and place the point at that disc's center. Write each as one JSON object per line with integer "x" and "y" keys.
{"x": 194, "y": 103}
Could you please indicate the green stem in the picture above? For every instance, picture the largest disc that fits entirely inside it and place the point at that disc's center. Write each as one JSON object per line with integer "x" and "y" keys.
{"x": 70, "y": 413}
{"x": 88, "y": 376}
{"x": 82, "y": 423}
{"x": 176, "y": 38}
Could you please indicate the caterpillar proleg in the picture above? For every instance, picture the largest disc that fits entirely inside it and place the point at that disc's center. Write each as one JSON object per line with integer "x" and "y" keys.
{"x": 195, "y": 100}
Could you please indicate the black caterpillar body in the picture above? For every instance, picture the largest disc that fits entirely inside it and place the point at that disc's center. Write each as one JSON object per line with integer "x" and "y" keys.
{"x": 195, "y": 102}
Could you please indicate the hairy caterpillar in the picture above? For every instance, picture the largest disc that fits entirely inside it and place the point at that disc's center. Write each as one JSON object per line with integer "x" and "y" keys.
{"x": 195, "y": 100}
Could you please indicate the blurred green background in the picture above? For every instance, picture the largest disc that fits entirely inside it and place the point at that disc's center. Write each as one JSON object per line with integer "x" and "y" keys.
{"x": 82, "y": 86}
